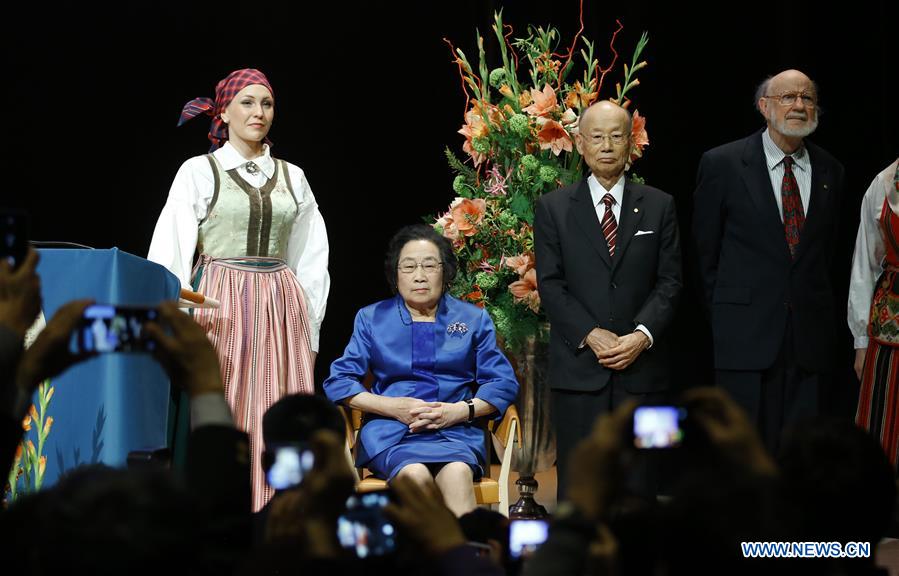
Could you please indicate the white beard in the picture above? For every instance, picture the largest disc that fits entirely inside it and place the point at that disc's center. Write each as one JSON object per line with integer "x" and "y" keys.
{"x": 800, "y": 132}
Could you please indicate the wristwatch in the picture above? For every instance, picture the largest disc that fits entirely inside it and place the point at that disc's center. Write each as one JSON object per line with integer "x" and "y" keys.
{"x": 470, "y": 403}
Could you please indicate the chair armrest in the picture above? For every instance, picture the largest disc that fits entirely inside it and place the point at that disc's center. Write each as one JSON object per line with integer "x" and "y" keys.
{"x": 350, "y": 437}
{"x": 502, "y": 429}
{"x": 348, "y": 428}
{"x": 506, "y": 433}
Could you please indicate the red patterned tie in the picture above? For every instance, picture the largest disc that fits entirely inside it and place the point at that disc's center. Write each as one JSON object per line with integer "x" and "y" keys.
{"x": 609, "y": 225}
{"x": 794, "y": 216}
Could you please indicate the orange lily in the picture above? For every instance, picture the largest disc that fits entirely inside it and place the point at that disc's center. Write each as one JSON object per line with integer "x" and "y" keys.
{"x": 545, "y": 102}
{"x": 525, "y": 290}
{"x": 578, "y": 97}
{"x": 554, "y": 136}
{"x": 639, "y": 137}
{"x": 468, "y": 214}
{"x": 521, "y": 263}
{"x": 474, "y": 127}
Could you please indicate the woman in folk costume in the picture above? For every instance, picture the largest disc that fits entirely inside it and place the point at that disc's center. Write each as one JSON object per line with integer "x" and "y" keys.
{"x": 874, "y": 310}
{"x": 263, "y": 254}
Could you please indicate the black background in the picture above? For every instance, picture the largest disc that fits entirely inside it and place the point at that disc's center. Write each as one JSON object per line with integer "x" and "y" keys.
{"x": 368, "y": 97}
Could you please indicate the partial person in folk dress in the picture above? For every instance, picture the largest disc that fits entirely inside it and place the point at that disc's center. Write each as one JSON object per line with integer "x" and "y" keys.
{"x": 874, "y": 311}
{"x": 263, "y": 253}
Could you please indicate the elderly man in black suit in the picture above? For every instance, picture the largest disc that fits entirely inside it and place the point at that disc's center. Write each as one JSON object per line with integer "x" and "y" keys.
{"x": 609, "y": 275}
{"x": 765, "y": 224}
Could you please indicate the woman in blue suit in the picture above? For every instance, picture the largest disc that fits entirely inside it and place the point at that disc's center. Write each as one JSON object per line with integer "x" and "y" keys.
{"x": 436, "y": 368}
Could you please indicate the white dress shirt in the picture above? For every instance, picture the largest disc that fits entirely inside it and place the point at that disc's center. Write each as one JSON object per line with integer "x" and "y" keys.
{"x": 870, "y": 250}
{"x": 175, "y": 237}
{"x": 597, "y": 192}
{"x": 802, "y": 171}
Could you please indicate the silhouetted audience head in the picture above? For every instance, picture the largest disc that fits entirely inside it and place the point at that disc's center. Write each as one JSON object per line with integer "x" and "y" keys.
{"x": 295, "y": 418}
{"x": 839, "y": 481}
{"x": 103, "y": 520}
{"x": 490, "y": 528}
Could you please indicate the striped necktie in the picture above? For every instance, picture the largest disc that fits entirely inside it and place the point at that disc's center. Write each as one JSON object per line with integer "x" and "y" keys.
{"x": 609, "y": 225}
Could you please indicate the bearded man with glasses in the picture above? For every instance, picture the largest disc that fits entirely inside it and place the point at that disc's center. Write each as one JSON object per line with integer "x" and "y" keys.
{"x": 765, "y": 222}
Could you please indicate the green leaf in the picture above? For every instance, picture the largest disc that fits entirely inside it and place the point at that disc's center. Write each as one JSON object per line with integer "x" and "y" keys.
{"x": 521, "y": 207}
{"x": 634, "y": 177}
{"x": 459, "y": 166}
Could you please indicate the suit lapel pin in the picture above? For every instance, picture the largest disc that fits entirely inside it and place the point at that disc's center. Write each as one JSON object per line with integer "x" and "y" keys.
{"x": 457, "y": 329}
{"x": 636, "y": 210}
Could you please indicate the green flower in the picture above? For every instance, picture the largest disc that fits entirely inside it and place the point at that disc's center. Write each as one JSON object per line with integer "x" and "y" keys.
{"x": 548, "y": 174}
{"x": 481, "y": 145}
{"x": 518, "y": 124}
{"x": 459, "y": 184}
{"x": 507, "y": 220}
{"x": 486, "y": 280}
{"x": 530, "y": 162}
{"x": 501, "y": 320}
{"x": 497, "y": 77}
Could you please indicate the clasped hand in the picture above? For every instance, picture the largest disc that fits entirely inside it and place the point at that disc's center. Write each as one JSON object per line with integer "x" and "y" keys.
{"x": 616, "y": 352}
{"x": 420, "y": 415}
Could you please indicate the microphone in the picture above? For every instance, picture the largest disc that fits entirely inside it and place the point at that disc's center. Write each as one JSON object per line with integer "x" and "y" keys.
{"x": 57, "y": 244}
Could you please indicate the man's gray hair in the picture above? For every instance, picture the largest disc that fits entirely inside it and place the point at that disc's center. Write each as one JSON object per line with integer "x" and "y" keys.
{"x": 761, "y": 91}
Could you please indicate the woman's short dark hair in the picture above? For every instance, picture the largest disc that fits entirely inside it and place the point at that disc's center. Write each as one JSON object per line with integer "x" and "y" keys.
{"x": 411, "y": 233}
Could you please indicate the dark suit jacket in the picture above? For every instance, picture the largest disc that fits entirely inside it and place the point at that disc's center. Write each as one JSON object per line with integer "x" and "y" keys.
{"x": 582, "y": 287}
{"x": 750, "y": 281}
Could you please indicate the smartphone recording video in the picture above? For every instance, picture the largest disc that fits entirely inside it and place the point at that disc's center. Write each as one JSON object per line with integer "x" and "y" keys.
{"x": 657, "y": 427}
{"x": 13, "y": 237}
{"x": 291, "y": 464}
{"x": 106, "y": 328}
{"x": 525, "y": 536}
{"x": 363, "y": 528}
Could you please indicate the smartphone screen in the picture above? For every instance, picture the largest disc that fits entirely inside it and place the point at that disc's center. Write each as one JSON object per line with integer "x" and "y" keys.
{"x": 13, "y": 237}
{"x": 106, "y": 328}
{"x": 363, "y": 528}
{"x": 290, "y": 466}
{"x": 658, "y": 426}
{"x": 525, "y": 536}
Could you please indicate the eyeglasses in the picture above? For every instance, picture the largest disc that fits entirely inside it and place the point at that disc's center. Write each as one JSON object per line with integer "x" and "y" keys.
{"x": 789, "y": 99}
{"x": 615, "y": 139}
{"x": 428, "y": 266}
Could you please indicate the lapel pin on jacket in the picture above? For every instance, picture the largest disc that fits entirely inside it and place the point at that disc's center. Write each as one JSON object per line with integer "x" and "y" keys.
{"x": 457, "y": 329}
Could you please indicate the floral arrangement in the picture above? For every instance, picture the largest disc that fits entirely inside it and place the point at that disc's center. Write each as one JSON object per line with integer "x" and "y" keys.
{"x": 30, "y": 462}
{"x": 519, "y": 142}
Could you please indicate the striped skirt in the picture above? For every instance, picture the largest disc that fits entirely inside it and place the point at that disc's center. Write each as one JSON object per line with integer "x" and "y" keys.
{"x": 878, "y": 399}
{"x": 261, "y": 334}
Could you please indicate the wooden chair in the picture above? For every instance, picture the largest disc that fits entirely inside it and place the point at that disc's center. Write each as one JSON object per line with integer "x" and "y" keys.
{"x": 486, "y": 490}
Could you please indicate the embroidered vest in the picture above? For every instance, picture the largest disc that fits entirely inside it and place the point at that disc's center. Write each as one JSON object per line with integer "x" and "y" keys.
{"x": 247, "y": 221}
{"x": 884, "y": 323}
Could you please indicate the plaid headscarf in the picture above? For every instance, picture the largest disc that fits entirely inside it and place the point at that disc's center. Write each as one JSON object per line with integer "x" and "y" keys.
{"x": 225, "y": 91}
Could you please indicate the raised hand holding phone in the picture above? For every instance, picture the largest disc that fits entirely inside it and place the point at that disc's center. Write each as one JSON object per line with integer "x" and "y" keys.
{"x": 108, "y": 328}
{"x": 525, "y": 536}
{"x": 659, "y": 427}
{"x": 291, "y": 464}
{"x": 363, "y": 528}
